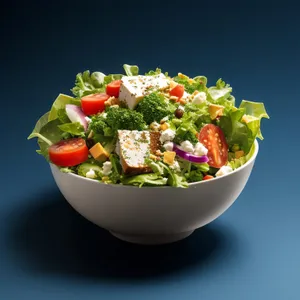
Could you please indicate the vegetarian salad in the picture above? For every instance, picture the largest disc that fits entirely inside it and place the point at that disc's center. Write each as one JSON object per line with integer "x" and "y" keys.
{"x": 148, "y": 130}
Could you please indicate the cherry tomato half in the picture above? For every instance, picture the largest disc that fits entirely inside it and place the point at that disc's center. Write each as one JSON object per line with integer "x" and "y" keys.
{"x": 94, "y": 103}
{"x": 208, "y": 177}
{"x": 212, "y": 137}
{"x": 177, "y": 91}
{"x": 69, "y": 153}
{"x": 113, "y": 88}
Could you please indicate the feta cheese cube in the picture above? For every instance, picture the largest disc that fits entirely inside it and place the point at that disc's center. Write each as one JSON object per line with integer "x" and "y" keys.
{"x": 224, "y": 171}
{"x": 200, "y": 149}
{"x": 134, "y": 88}
{"x": 199, "y": 98}
{"x": 168, "y": 146}
{"x": 134, "y": 146}
{"x": 187, "y": 146}
{"x": 167, "y": 135}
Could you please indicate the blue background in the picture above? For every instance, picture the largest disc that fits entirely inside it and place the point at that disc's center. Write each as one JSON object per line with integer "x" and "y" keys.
{"x": 48, "y": 251}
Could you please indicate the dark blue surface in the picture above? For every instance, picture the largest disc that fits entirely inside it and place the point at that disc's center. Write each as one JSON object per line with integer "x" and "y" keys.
{"x": 48, "y": 251}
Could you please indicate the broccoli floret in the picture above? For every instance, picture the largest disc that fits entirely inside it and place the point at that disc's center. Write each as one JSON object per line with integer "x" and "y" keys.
{"x": 100, "y": 126}
{"x": 123, "y": 118}
{"x": 194, "y": 176}
{"x": 153, "y": 107}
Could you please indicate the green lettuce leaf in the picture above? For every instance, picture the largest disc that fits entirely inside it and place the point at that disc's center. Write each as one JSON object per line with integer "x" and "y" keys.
{"x": 62, "y": 115}
{"x": 75, "y": 129}
{"x": 87, "y": 83}
{"x": 150, "y": 179}
{"x": 199, "y": 83}
{"x": 257, "y": 111}
{"x": 43, "y": 120}
{"x": 67, "y": 169}
{"x": 152, "y": 72}
{"x": 201, "y": 79}
{"x": 194, "y": 117}
{"x": 59, "y": 105}
{"x": 177, "y": 180}
{"x": 220, "y": 94}
{"x": 236, "y": 131}
{"x": 131, "y": 70}
{"x": 87, "y": 166}
{"x": 47, "y": 133}
{"x": 111, "y": 77}
{"x": 238, "y": 162}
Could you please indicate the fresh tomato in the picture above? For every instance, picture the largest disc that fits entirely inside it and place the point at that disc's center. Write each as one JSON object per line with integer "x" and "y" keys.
{"x": 94, "y": 103}
{"x": 177, "y": 91}
{"x": 212, "y": 137}
{"x": 113, "y": 88}
{"x": 69, "y": 153}
{"x": 208, "y": 177}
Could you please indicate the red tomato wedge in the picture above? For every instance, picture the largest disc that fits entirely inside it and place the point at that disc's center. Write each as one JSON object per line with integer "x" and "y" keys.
{"x": 212, "y": 137}
{"x": 69, "y": 153}
{"x": 94, "y": 103}
{"x": 113, "y": 88}
{"x": 177, "y": 91}
{"x": 208, "y": 177}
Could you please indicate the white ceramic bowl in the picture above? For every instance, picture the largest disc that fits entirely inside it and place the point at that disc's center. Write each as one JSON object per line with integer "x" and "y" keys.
{"x": 153, "y": 215}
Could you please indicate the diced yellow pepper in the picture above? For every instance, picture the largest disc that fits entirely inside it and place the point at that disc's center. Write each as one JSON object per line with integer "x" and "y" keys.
{"x": 99, "y": 153}
{"x": 164, "y": 126}
{"x": 239, "y": 154}
{"x": 169, "y": 157}
{"x": 215, "y": 111}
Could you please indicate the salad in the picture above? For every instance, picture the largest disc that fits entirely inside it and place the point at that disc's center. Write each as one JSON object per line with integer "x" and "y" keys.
{"x": 148, "y": 130}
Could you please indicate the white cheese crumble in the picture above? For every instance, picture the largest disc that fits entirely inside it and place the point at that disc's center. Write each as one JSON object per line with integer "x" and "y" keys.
{"x": 200, "y": 150}
{"x": 187, "y": 146}
{"x": 223, "y": 171}
{"x": 175, "y": 166}
{"x": 167, "y": 135}
{"x": 91, "y": 174}
{"x": 168, "y": 146}
{"x": 107, "y": 168}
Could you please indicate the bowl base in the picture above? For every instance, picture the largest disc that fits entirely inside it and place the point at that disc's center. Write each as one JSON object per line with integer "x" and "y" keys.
{"x": 152, "y": 239}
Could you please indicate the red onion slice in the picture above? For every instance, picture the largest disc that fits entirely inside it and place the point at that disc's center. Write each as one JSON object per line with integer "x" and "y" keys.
{"x": 188, "y": 156}
{"x": 75, "y": 114}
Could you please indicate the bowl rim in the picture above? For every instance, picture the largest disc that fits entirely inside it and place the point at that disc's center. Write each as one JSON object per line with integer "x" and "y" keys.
{"x": 252, "y": 158}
